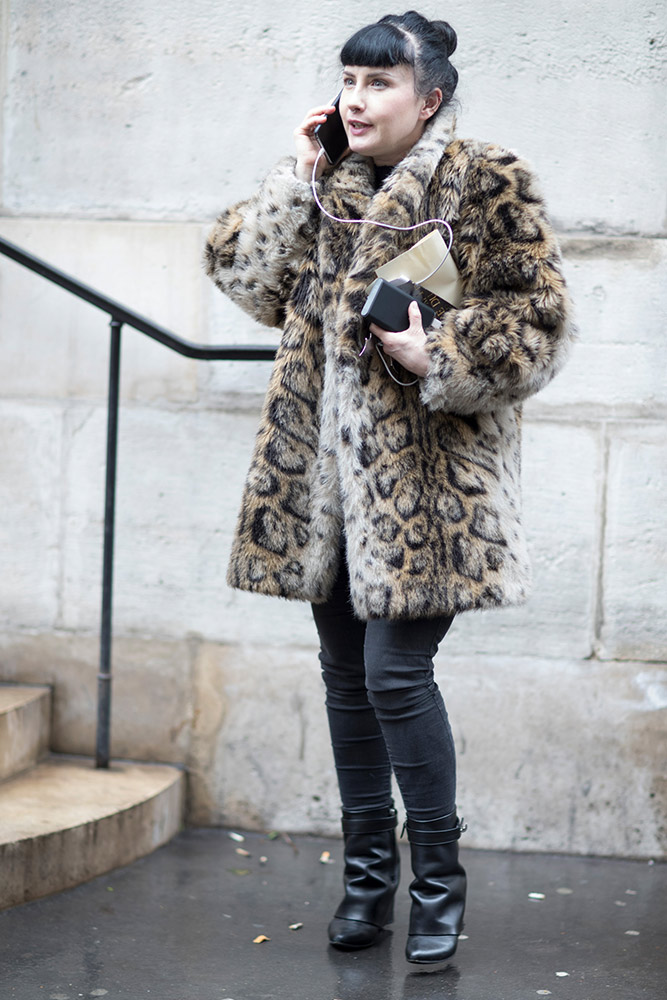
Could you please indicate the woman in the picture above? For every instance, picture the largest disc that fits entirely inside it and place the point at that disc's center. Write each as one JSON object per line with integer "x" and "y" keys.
{"x": 391, "y": 501}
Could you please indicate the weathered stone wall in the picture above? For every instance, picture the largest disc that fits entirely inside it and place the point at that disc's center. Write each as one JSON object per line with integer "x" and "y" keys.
{"x": 125, "y": 127}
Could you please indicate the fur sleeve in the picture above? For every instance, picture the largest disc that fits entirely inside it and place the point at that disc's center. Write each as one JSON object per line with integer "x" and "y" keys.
{"x": 254, "y": 249}
{"x": 512, "y": 332}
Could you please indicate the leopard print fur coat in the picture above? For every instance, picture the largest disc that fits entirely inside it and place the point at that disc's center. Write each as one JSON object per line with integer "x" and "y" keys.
{"x": 422, "y": 480}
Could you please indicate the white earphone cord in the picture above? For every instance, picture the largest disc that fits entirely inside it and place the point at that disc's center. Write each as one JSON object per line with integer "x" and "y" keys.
{"x": 383, "y": 225}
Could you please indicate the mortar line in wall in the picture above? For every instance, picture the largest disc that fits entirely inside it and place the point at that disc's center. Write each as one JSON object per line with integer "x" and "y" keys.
{"x": 193, "y": 644}
{"x": 598, "y": 622}
{"x": 162, "y": 217}
{"x": 253, "y": 408}
{"x": 4, "y": 87}
{"x": 62, "y": 518}
{"x": 610, "y": 234}
{"x": 588, "y": 420}
{"x": 195, "y": 641}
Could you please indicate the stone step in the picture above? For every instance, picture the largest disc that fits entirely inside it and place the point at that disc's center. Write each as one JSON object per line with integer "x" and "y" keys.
{"x": 25, "y": 726}
{"x": 65, "y": 821}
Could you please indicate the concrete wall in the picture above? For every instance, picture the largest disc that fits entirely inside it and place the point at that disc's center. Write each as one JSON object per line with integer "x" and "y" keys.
{"x": 125, "y": 127}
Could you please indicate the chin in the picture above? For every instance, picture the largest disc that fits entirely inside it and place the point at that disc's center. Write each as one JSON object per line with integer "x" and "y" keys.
{"x": 363, "y": 148}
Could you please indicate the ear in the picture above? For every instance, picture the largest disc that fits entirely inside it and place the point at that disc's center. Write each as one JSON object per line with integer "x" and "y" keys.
{"x": 431, "y": 104}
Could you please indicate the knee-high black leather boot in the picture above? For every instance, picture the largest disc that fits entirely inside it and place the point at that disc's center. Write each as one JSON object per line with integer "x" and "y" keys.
{"x": 438, "y": 890}
{"x": 371, "y": 874}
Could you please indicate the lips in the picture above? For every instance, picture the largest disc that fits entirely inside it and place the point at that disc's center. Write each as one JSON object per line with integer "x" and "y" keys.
{"x": 358, "y": 127}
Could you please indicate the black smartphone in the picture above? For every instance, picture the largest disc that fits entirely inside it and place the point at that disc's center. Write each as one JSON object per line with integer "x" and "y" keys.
{"x": 387, "y": 305}
{"x": 331, "y": 135}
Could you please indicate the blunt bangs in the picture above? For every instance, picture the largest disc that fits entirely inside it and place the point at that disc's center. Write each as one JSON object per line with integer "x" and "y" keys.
{"x": 378, "y": 45}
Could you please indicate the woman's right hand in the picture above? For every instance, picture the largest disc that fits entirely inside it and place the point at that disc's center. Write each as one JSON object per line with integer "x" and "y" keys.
{"x": 307, "y": 146}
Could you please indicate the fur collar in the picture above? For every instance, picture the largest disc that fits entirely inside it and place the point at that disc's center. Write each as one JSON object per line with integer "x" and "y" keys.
{"x": 353, "y": 180}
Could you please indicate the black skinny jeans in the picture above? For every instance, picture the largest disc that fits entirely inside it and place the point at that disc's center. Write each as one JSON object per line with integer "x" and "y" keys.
{"x": 384, "y": 708}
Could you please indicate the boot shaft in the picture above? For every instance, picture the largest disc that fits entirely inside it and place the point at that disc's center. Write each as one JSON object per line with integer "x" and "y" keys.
{"x": 372, "y": 866}
{"x": 438, "y": 890}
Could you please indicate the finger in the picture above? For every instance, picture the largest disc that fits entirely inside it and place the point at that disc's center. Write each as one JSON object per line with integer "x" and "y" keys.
{"x": 321, "y": 109}
{"x": 315, "y": 117}
{"x": 415, "y": 315}
{"x": 308, "y": 126}
{"x": 379, "y": 332}
{"x": 389, "y": 346}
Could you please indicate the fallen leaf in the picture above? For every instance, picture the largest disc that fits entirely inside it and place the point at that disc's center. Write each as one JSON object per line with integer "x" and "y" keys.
{"x": 563, "y": 891}
{"x": 288, "y": 840}
{"x": 237, "y": 837}
{"x": 263, "y": 860}
{"x": 326, "y": 859}
{"x": 273, "y": 835}
{"x": 260, "y": 939}
{"x": 536, "y": 895}
{"x": 239, "y": 871}
{"x": 561, "y": 974}
{"x": 242, "y": 851}
{"x": 633, "y": 933}
{"x": 295, "y": 927}
{"x": 619, "y": 902}
{"x": 630, "y": 892}
{"x": 544, "y": 993}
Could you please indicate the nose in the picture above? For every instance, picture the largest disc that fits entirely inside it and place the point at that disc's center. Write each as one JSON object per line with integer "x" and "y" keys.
{"x": 355, "y": 100}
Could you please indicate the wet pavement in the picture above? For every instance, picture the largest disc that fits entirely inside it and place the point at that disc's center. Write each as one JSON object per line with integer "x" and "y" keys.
{"x": 180, "y": 925}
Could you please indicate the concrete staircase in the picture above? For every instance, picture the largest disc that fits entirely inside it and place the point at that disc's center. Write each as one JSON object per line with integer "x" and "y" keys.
{"x": 62, "y": 821}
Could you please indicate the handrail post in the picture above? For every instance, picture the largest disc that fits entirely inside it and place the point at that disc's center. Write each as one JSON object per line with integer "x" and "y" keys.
{"x": 120, "y": 315}
{"x": 104, "y": 675}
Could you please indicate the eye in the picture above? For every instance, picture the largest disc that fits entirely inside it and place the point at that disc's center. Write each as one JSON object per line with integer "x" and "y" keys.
{"x": 348, "y": 81}
{"x": 379, "y": 84}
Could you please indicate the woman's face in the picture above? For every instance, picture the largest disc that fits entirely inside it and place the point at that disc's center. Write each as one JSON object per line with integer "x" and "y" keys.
{"x": 382, "y": 114}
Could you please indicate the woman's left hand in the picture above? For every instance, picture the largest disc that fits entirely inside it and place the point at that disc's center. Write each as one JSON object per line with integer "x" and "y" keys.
{"x": 408, "y": 347}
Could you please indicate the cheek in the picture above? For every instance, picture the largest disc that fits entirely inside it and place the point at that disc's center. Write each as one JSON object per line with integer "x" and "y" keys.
{"x": 395, "y": 113}
{"x": 410, "y": 110}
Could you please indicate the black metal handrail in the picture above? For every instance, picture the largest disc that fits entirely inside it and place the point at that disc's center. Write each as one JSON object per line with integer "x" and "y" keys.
{"x": 121, "y": 316}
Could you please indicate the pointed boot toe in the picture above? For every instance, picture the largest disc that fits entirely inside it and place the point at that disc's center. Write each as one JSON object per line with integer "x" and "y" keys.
{"x": 429, "y": 948}
{"x": 352, "y": 934}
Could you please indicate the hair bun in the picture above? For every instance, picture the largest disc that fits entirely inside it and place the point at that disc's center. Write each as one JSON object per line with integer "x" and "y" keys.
{"x": 448, "y": 35}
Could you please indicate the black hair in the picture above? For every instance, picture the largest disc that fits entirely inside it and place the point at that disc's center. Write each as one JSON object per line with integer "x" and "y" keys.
{"x": 411, "y": 40}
